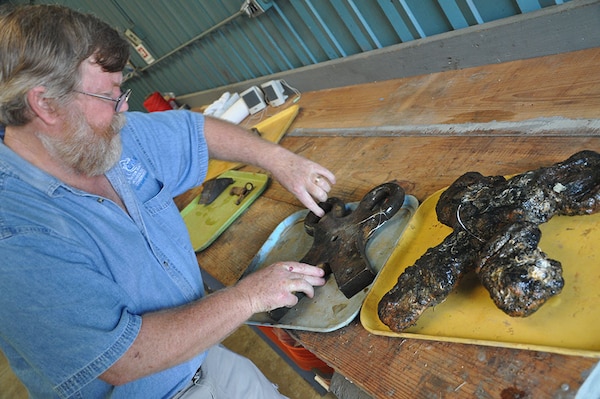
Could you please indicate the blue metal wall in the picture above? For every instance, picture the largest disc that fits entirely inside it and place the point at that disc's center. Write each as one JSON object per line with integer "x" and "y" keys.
{"x": 290, "y": 34}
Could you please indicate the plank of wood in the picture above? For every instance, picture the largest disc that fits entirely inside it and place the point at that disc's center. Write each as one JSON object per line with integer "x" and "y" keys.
{"x": 519, "y": 90}
{"x": 424, "y": 165}
{"x": 566, "y": 85}
{"x": 407, "y": 368}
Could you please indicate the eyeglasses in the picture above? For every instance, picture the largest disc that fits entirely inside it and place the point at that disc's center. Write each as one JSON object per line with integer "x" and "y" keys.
{"x": 119, "y": 101}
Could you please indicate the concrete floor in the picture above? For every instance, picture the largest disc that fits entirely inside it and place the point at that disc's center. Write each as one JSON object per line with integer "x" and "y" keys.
{"x": 244, "y": 341}
{"x": 10, "y": 386}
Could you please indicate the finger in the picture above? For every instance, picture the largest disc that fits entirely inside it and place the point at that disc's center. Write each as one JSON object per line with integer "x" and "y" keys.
{"x": 317, "y": 210}
{"x": 309, "y": 202}
{"x": 306, "y": 284}
{"x": 322, "y": 181}
{"x": 301, "y": 285}
{"x": 322, "y": 184}
{"x": 304, "y": 269}
{"x": 327, "y": 174}
{"x": 315, "y": 192}
{"x": 315, "y": 281}
{"x": 320, "y": 195}
{"x": 310, "y": 279}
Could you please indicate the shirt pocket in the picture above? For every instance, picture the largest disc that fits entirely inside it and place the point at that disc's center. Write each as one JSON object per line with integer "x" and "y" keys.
{"x": 164, "y": 215}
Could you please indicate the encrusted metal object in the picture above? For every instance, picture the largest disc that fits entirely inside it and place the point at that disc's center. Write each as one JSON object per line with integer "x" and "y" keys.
{"x": 341, "y": 236}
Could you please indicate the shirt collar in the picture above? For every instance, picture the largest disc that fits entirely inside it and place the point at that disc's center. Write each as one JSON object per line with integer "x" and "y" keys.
{"x": 12, "y": 164}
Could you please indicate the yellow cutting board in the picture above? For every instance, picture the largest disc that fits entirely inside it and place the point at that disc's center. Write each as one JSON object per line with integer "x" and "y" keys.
{"x": 207, "y": 222}
{"x": 568, "y": 323}
{"x": 271, "y": 129}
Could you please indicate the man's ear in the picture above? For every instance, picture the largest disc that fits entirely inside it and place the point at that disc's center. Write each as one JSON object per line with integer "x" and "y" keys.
{"x": 41, "y": 106}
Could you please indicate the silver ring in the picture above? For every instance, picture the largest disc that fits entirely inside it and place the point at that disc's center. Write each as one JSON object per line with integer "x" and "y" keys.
{"x": 317, "y": 179}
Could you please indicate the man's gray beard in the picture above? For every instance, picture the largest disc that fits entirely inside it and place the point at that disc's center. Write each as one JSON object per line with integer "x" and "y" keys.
{"x": 87, "y": 150}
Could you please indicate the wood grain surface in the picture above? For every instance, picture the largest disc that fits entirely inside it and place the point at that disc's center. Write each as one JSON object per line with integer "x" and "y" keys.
{"x": 566, "y": 85}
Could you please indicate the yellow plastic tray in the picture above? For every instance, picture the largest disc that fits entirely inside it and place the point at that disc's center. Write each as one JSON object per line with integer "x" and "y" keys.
{"x": 568, "y": 323}
{"x": 271, "y": 129}
{"x": 207, "y": 222}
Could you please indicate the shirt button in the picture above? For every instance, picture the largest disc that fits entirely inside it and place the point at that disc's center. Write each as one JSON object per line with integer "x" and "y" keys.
{"x": 100, "y": 200}
{"x": 165, "y": 264}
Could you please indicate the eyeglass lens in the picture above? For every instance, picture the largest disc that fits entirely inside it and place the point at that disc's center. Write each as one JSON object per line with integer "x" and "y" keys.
{"x": 122, "y": 99}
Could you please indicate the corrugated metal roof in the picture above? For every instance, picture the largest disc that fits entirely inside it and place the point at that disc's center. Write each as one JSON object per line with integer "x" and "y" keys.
{"x": 290, "y": 34}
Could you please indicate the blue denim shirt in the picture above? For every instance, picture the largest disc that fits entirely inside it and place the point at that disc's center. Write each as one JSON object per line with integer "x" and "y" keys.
{"x": 77, "y": 272}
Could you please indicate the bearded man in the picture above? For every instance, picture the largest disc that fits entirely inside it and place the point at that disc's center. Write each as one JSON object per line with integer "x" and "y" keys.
{"x": 100, "y": 290}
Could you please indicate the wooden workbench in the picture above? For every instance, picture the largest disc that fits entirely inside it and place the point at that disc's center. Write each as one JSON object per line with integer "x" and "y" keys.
{"x": 566, "y": 85}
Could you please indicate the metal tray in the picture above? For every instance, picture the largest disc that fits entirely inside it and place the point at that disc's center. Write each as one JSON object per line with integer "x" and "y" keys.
{"x": 329, "y": 309}
{"x": 568, "y": 323}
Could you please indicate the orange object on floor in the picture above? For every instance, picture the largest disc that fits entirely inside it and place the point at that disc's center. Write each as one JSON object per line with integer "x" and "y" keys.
{"x": 305, "y": 359}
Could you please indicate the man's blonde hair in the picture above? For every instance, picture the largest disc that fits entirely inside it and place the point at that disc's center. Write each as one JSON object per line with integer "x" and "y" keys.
{"x": 44, "y": 45}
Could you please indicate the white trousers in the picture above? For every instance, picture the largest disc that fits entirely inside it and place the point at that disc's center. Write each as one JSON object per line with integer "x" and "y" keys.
{"x": 227, "y": 375}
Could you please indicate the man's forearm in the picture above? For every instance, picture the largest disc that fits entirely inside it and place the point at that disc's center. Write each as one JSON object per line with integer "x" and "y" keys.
{"x": 173, "y": 336}
{"x": 230, "y": 142}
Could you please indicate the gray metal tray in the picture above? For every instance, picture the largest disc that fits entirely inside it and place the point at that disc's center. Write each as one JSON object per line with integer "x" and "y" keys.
{"x": 329, "y": 309}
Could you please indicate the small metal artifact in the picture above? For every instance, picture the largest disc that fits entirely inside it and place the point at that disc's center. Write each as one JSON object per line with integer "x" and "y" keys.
{"x": 241, "y": 192}
{"x": 213, "y": 188}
